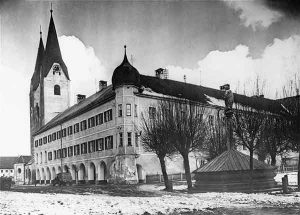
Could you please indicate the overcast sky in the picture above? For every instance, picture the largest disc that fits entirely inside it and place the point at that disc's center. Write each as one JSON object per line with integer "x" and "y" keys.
{"x": 211, "y": 42}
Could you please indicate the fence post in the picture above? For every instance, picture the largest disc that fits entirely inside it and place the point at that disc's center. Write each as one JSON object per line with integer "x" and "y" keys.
{"x": 172, "y": 177}
{"x": 159, "y": 177}
{"x": 180, "y": 176}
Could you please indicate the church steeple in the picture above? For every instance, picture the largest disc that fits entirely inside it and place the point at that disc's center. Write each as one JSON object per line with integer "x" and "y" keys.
{"x": 35, "y": 80}
{"x": 52, "y": 52}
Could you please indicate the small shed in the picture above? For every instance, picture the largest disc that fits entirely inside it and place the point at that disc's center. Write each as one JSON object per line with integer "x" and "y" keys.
{"x": 230, "y": 172}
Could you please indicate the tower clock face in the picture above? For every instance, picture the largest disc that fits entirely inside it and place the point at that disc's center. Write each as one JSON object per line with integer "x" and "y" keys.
{"x": 55, "y": 68}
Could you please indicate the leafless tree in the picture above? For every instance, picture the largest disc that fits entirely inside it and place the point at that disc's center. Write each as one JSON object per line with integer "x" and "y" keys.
{"x": 248, "y": 126}
{"x": 216, "y": 139}
{"x": 185, "y": 121}
{"x": 274, "y": 137}
{"x": 156, "y": 137}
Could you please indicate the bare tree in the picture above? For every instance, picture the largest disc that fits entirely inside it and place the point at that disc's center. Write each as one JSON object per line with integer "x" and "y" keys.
{"x": 274, "y": 137}
{"x": 248, "y": 127}
{"x": 293, "y": 126}
{"x": 216, "y": 139}
{"x": 156, "y": 138}
{"x": 185, "y": 121}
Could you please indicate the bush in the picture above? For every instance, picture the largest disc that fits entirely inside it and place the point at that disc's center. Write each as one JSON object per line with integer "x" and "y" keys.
{"x": 5, "y": 183}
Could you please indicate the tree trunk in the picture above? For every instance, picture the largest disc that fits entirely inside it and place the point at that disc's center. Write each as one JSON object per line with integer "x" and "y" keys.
{"x": 187, "y": 170}
{"x": 168, "y": 185}
{"x": 251, "y": 170}
{"x": 273, "y": 160}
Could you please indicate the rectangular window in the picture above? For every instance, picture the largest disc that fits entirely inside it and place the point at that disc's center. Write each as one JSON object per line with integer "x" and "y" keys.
{"x": 70, "y": 151}
{"x": 36, "y": 143}
{"x": 110, "y": 115}
{"x": 83, "y": 148}
{"x": 49, "y": 156}
{"x": 109, "y": 142}
{"x": 53, "y": 136}
{"x": 83, "y": 125}
{"x": 58, "y": 154}
{"x": 70, "y": 130}
{"x": 99, "y": 144}
{"x": 152, "y": 111}
{"x": 49, "y": 138}
{"x": 64, "y": 152}
{"x": 40, "y": 142}
{"x": 76, "y": 128}
{"x": 77, "y": 149}
{"x": 128, "y": 109}
{"x": 64, "y": 132}
{"x": 55, "y": 155}
{"x": 91, "y": 122}
{"x": 91, "y": 146}
{"x": 136, "y": 139}
{"x": 44, "y": 140}
{"x": 129, "y": 139}
{"x": 121, "y": 139}
{"x": 58, "y": 134}
{"x": 135, "y": 110}
{"x": 120, "y": 110}
{"x": 100, "y": 118}
{"x": 105, "y": 116}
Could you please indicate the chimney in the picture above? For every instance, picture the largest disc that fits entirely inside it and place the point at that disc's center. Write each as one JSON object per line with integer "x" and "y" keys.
{"x": 102, "y": 85}
{"x": 80, "y": 98}
{"x": 159, "y": 73}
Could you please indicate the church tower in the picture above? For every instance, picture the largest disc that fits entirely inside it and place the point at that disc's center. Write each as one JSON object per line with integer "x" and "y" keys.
{"x": 50, "y": 83}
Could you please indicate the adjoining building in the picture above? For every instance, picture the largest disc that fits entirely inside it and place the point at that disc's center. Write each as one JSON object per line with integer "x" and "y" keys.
{"x": 7, "y": 166}
{"x": 97, "y": 140}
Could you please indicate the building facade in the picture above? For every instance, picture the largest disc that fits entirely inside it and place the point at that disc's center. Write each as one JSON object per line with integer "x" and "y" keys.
{"x": 97, "y": 140}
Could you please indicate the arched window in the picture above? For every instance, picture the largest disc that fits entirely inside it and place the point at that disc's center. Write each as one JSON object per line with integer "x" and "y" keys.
{"x": 56, "y": 90}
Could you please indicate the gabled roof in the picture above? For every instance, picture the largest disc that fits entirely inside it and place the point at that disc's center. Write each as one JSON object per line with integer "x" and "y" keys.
{"x": 35, "y": 79}
{"x": 232, "y": 160}
{"x": 87, "y": 104}
{"x": 52, "y": 51}
{"x": 23, "y": 159}
{"x": 7, "y": 162}
{"x": 201, "y": 94}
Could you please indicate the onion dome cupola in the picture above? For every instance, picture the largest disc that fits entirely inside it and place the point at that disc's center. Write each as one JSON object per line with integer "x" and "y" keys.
{"x": 125, "y": 74}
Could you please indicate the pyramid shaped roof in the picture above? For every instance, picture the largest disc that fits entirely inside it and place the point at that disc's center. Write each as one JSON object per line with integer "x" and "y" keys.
{"x": 52, "y": 51}
{"x": 35, "y": 79}
{"x": 232, "y": 160}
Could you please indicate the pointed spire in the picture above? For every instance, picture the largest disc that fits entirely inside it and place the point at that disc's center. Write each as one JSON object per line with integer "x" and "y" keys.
{"x": 125, "y": 60}
{"x": 52, "y": 52}
{"x": 35, "y": 80}
{"x": 51, "y": 11}
{"x": 40, "y": 31}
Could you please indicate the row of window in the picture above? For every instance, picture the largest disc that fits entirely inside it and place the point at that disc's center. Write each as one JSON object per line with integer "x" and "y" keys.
{"x": 83, "y": 125}
{"x": 6, "y": 171}
{"x": 83, "y": 148}
{"x": 128, "y": 110}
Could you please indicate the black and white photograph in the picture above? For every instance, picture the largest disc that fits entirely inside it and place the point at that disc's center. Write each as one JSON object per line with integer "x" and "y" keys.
{"x": 150, "y": 107}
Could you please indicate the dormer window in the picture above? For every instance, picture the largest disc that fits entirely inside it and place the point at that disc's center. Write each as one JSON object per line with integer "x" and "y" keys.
{"x": 56, "y": 90}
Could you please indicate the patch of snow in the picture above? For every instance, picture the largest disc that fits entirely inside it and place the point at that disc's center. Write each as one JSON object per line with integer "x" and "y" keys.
{"x": 292, "y": 177}
{"x": 35, "y": 203}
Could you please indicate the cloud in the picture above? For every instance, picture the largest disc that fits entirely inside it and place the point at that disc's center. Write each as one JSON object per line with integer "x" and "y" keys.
{"x": 254, "y": 13}
{"x": 278, "y": 65}
{"x": 14, "y": 112}
{"x": 85, "y": 69}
